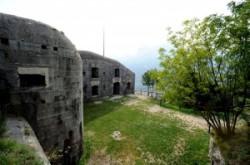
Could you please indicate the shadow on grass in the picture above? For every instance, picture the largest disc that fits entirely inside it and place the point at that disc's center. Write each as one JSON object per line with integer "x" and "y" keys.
{"x": 93, "y": 111}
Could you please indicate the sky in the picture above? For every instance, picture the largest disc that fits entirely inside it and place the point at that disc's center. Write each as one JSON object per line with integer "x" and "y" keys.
{"x": 134, "y": 29}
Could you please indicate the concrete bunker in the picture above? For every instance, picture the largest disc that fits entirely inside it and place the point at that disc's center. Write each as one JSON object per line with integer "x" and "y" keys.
{"x": 41, "y": 80}
{"x": 113, "y": 77}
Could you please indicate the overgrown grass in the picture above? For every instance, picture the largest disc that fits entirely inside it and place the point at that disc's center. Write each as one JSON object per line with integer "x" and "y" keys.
{"x": 236, "y": 150}
{"x": 13, "y": 153}
{"x": 147, "y": 138}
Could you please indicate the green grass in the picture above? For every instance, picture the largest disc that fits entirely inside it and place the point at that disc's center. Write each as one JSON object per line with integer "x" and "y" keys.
{"x": 87, "y": 151}
{"x": 183, "y": 110}
{"x": 147, "y": 138}
{"x": 13, "y": 153}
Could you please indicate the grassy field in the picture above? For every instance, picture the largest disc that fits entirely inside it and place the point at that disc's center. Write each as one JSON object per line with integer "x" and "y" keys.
{"x": 146, "y": 138}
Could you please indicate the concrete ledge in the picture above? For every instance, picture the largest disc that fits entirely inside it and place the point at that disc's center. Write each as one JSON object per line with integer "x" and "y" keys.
{"x": 17, "y": 128}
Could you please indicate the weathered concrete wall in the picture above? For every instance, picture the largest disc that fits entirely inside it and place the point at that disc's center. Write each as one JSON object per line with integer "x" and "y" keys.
{"x": 215, "y": 154}
{"x": 113, "y": 77}
{"x": 19, "y": 130}
{"x": 41, "y": 80}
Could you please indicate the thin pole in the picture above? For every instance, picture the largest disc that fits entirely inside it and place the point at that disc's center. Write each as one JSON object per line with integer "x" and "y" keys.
{"x": 103, "y": 41}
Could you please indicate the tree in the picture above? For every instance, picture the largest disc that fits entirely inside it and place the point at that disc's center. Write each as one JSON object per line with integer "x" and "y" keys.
{"x": 148, "y": 80}
{"x": 209, "y": 67}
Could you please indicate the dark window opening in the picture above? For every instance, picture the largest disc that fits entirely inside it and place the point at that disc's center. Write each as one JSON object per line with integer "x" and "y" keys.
{"x": 55, "y": 48}
{"x": 104, "y": 73}
{"x": 2, "y": 85}
{"x": 94, "y": 90}
{"x": 83, "y": 73}
{"x": 6, "y": 55}
{"x": 104, "y": 87}
{"x": 116, "y": 88}
{"x": 44, "y": 47}
{"x": 5, "y": 41}
{"x": 43, "y": 101}
{"x": 59, "y": 118}
{"x": 117, "y": 72}
{"x": 32, "y": 80}
{"x": 128, "y": 85}
{"x": 94, "y": 72}
{"x": 85, "y": 88}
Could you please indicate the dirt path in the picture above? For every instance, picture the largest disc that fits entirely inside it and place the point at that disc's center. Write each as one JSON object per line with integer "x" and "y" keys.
{"x": 191, "y": 121}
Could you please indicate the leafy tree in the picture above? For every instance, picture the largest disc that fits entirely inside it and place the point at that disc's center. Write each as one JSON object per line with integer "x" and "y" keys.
{"x": 148, "y": 80}
{"x": 209, "y": 67}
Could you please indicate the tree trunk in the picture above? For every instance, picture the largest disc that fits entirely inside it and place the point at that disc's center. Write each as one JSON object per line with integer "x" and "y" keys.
{"x": 148, "y": 90}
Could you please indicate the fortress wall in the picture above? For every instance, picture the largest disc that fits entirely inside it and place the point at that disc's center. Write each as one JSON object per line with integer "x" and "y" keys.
{"x": 41, "y": 80}
{"x": 109, "y": 82}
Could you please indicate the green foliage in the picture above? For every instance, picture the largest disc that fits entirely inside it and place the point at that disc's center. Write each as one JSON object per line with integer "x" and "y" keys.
{"x": 236, "y": 150}
{"x": 147, "y": 78}
{"x": 13, "y": 153}
{"x": 145, "y": 135}
{"x": 208, "y": 69}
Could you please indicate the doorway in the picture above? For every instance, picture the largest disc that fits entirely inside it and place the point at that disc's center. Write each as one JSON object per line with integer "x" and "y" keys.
{"x": 116, "y": 88}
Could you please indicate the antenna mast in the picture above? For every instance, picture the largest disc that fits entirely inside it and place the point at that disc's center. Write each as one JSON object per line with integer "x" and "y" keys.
{"x": 103, "y": 42}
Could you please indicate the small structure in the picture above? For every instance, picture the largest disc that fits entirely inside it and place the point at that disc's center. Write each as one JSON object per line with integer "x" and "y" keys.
{"x": 41, "y": 80}
{"x": 105, "y": 77}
